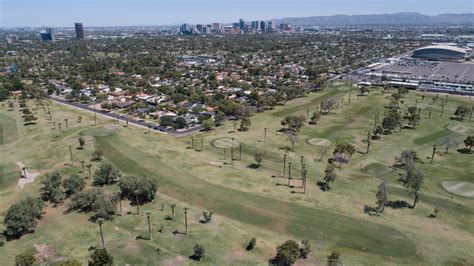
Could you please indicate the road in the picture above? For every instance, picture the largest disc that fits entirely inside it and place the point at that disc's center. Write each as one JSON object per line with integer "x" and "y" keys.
{"x": 115, "y": 116}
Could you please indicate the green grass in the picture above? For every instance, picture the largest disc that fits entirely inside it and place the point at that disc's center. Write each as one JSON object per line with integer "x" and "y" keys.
{"x": 8, "y": 130}
{"x": 257, "y": 210}
{"x": 9, "y": 174}
{"x": 249, "y": 202}
{"x": 433, "y": 136}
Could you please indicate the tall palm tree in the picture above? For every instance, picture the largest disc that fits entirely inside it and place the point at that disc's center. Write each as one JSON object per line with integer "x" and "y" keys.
{"x": 186, "y": 219}
{"x": 100, "y": 221}
{"x": 149, "y": 226}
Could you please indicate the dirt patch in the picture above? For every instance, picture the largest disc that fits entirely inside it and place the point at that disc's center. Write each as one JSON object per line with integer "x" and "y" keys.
{"x": 235, "y": 255}
{"x": 27, "y": 177}
{"x": 47, "y": 253}
{"x": 465, "y": 189}
{"x": 319, "y": 142}
{"x": 179, "y": 260}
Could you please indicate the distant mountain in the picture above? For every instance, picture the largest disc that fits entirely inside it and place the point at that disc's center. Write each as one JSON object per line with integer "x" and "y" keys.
{"x": 382, "y": 19}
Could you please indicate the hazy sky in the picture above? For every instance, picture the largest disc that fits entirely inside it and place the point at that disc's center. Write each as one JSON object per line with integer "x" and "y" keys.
{"x": 158, "y": 12}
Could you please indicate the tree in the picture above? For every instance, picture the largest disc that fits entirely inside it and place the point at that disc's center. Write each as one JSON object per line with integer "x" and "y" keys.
{"x": 207, "y": 216}
{"x": 382, "y": 196}
{"x": 180, "y": 123}
{"x": 413, "y": 116}
{"x": 25, "y": 259}
{"x": 315, "y": 118}
{"x": 258, "y": 157}
{"x": 334, "y": 259}
{"x": 293, "y": 122}
{"x": 219, "y": 118}
{"x": 106, "y": 175}
{"x": 343, "y": 152}
{"x": 379, "y": 130}
{"x": 287, "y": 253}
{"x": 73, "y": 184}
{"x": 462, "y": 111}
{"x": 21, "y": 216}
{"x": 327, "y": 106}
{"x": 449, "y": 143}
{"x": 407, "y": 158}
{"x": 51, "y": 188}
{"x": 199, "y": 252}
{"x": 292, "y": 136}
{"x": 413, "y": 182}
{"x": 97, "y": 155}
{"x": 391, "y": 121}
{"x": 100, "y": 257}
{"x": 144, "y": 186}
{"x": 330, "y": 176}
{"x": 245, "y": 123}
{"x": 469, "y": 142}
{"x": 82, "y": 142}
{"x": 104, "y": 205}
{"x": 208, "y": 124}
{"x": 305, "y": 249}
{"x": 251, "y": 244}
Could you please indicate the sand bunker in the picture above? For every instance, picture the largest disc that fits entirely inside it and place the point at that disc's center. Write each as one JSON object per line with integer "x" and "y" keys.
{"x": 225, "y": 143}
{"x": 465, "y": 189}
{"x": 459, "y": 128}
{"x": 29, "y": 178}
{"x": 319, "y": 142}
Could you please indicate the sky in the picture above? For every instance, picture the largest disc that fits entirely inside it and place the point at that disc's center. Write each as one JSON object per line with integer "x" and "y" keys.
{"x": 59, "y": 13}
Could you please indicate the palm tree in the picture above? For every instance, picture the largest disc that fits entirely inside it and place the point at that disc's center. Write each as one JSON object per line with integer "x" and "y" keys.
{"x": 330, "y": 176}
{"x": 136, "y": 201}
{"x": 100, "y": 221}
{"x": 89, "y": 166}
{"x": 70, "y": 153}
{"x": 149, "y": 227}
{"x": 186, "y": 219}
{"x": 65, "y": 121}
{"x": 172, "y": 206}
{"x": 82, "y": 163}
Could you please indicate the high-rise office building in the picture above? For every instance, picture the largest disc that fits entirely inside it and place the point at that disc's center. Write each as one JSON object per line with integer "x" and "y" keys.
{"x": 216, "y": 26}
{"x": 199, "y": 27}
{"x": 47, "y": 35}
{"x": 241, "y": 24}
{"x": 79, "y": 30}
{"x": 263, "y": 26}
{"x": 255, "y": 25}
{"x": 270, "y": 26}
{"x": 185, "y": 29}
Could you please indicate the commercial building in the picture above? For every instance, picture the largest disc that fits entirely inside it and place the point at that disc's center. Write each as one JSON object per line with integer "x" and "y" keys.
{"x": 47, "y": 35}
{"x": 79, "y": 30}
{"x": 440, "y": 52}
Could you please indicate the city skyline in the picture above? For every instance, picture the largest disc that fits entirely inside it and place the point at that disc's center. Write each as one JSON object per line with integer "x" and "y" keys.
{"x": 57, "y": 13}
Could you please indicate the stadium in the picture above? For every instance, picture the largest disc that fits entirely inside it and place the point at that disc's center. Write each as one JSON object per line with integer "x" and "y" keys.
{"x": 440, "y": 52}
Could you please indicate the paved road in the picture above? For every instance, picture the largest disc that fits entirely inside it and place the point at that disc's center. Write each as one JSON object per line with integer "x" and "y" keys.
{"x": 130, "y": 121}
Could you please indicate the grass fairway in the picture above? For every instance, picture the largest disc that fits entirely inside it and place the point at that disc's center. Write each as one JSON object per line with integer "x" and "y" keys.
{"x": 249, "y": 202}
{"x": 8, "y": 130}
{"x": 257, "y": 210}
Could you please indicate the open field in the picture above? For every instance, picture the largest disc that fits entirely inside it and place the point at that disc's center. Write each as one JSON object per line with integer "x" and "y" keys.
{"x": 251, "y": 202}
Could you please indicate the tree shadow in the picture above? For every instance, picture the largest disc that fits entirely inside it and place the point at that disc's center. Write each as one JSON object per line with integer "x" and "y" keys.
{"x": 322, "y": 185}
{"x": 253, "y": 166}
{"x": 464, "y": 151}
{"x": 398, "y": 204}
